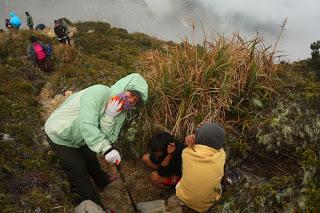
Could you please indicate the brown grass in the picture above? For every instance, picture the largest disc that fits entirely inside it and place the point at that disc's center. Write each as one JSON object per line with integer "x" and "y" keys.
{"x": 193, "y": 83}
{"x": 64, "y": 53}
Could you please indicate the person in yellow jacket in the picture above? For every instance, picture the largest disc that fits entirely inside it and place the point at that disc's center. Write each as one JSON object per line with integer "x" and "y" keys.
{"x": 87, "y": 124}
{"x": 202, "y": 168}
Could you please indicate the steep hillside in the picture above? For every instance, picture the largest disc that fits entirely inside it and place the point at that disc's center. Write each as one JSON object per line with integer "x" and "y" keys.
{"x": 270, "y": 113}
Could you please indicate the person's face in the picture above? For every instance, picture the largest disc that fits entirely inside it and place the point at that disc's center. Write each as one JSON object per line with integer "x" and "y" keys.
{"x": 132, "y": 98}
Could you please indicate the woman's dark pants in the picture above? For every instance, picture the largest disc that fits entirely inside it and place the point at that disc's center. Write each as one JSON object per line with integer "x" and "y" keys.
{"x": 79, "y": 164}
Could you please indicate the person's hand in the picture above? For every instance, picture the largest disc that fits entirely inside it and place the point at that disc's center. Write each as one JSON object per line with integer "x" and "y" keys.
{"x": 171, "y": 148}
{"x": 190, "y": 141}
{"x": 113, "y": 108}
{"x": 113, "y": 157}
{"x": 203, "y": 122}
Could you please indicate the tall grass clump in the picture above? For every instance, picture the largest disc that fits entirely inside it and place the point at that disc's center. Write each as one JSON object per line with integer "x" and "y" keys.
{"x": 194, "y": 83}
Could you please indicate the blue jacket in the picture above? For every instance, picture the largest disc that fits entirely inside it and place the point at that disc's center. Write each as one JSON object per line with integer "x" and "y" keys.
{"x": 14, "y": 20}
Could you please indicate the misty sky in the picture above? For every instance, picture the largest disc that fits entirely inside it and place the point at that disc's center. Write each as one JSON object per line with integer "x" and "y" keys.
{"x": 302, "y": 27}
{"x": 171, "y": 19}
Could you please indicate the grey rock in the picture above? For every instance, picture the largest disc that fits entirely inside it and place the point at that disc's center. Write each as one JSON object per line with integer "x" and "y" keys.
{"x": 156, "y": 206}
{"x": 88, "y": 206}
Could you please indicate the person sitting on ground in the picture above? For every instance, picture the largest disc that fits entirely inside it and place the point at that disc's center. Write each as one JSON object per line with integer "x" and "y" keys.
{"x": 88, "y": 123}
{"x": 29, "y": 21}
{"x": 15, "y": 21}
{"x": 60, "y": 32}
{"x": 165, "y": 157}
{"x": 64, "y": 24}
{"x": 37, "y": 54}
{"x": 40, "y": 27}
{"x": 202, "y": 168}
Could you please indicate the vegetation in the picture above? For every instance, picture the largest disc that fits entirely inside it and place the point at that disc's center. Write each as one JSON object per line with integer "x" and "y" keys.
{"x": 315, "y": 57}
{"x": 270, "y": 112}
{"x": 28, "y": 172}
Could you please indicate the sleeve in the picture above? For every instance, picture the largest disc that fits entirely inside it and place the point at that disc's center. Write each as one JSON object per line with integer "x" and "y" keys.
{"x": 91, "y": 103}
{"x": 118, "y": 125}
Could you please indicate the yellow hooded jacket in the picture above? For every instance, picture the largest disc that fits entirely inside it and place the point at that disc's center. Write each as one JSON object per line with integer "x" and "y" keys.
{"x": 202, "y": 171}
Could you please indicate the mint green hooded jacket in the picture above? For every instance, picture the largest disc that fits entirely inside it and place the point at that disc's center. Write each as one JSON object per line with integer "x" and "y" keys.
{"x": 81, "y": 119}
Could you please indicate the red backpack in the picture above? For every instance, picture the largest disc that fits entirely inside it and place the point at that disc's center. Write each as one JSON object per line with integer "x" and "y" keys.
{"x": 40, "y": 53}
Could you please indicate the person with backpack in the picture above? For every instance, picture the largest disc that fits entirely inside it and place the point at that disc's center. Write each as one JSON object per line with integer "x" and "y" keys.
{"x": 60, "y": 32}
{"x": 88, "y": 123}
{"x": 165, "y": 157}
{"x": 64, "y": 24}
{"x": 39, "y": 54}
{"x": 29, "y": 21}
{"x": 202, "y": 167}
{"x": 15, "y": 21}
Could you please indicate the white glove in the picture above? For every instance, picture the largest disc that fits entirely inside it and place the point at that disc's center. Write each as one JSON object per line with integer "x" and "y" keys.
{"x": 113, "y": 157}
{"x": 113, "y": 108}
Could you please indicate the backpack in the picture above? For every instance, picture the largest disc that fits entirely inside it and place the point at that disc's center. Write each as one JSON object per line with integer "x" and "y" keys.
{"x": 48, "y": 49}
{"x": 39, "y": 51}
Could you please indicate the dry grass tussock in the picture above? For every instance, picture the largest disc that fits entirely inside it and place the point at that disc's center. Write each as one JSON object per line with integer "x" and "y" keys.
{"x": 64, "y": 53}
{"x": 193, "y": 83}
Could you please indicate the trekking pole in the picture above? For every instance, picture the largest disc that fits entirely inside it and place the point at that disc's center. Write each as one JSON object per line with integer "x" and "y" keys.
{"x": 127, "y": 188}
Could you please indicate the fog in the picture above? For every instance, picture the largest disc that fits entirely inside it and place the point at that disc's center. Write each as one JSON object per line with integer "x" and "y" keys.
{"x": 173, "y": 19}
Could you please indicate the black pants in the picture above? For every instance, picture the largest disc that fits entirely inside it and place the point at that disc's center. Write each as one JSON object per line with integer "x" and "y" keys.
{"x": 79, "y": 164}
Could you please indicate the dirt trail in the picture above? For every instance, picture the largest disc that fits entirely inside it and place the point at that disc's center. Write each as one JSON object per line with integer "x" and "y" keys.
{"x": 136, "y": 173}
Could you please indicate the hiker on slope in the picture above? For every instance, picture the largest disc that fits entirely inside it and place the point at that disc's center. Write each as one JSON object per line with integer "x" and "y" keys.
{"x": 67, "y": 32}
{"x": 38, "y": 53}
{"x": 202, "y": 168}
{"x": 60, "y": 32}
{"x": 15, "y": 21}
{"x": 87, "y": 124}
{"x": 29, "y": 21}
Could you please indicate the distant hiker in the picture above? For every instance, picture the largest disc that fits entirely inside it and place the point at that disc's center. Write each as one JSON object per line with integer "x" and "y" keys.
{"x": 165, "y": 157}
{"x": 37, "y": 52}
{"x": 202, "y": 168}
{"x": 40, "y": 27}
{"x": 60, "y": 32}
{"x": 9, "y": 28}
{"x": 15, "y": 21}
{"x": 29, "y": 21}
{"x": 88, "y": 123}
{"x": 8, "y": 25}
{"x": 64, "y": 24}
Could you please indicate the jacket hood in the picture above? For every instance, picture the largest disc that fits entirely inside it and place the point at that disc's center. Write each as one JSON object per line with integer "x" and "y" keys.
{"x": 11, "y": 14}
{"x": 133, "y": 81}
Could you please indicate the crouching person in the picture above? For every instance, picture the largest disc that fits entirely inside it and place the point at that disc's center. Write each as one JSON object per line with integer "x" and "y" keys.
{"x": 165, "y": 158}
{"x": 87, "y": 124}
{"x": 203, "y": 168}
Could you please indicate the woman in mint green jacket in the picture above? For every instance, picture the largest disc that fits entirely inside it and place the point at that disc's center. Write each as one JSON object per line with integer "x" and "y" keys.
{"x": 88, "y": 123}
